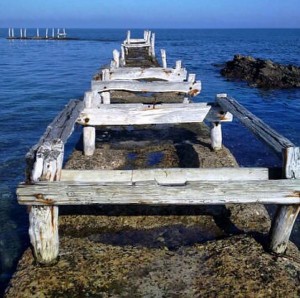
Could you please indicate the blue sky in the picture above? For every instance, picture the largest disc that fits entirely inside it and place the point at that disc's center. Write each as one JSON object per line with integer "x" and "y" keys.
{"x": 151, "y": 13}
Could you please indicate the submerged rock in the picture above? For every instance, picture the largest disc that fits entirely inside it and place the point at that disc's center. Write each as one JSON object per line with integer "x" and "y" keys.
{"x": 262, "y": 73}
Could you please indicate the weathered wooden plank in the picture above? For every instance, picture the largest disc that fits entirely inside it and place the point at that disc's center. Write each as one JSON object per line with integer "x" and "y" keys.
{"x": 138, "y": 114}
{"x": 191, "y": 88}
{"x": 139, "y": 73}
{"x": 286, "y": 191}
{"x": 264, "y": 132}
{"x": 136, "y": 45}
{"x": 165, "y": 176}
{"x": 59, "y": 129}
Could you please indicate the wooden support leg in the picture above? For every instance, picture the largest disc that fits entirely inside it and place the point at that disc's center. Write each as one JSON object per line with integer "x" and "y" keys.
{"x": 216, "y": 136}
{"x": 43, "y": 233}
{"x": 282, "y": 227}
{"x": 163, "y": 58}
{"x": 123, "y": 56}
{"x": 284, "y": 220}
{"x": 89, "y": 140}
{"x": 116, "y": 56}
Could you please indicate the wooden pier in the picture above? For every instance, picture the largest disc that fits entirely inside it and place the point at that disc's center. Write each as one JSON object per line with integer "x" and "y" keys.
{"x": 60, "y": 34}
{"x": 135, "y": 70}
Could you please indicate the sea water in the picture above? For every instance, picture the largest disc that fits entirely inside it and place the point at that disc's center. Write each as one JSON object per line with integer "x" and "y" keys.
{"x": 39, "y": 77}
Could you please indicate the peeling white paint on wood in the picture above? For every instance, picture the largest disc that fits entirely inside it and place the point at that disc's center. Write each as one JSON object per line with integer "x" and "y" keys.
{"x": 138, "y": 73}
{"x": 264, "y": 132}
{"x": 285, "y": 191}
{"x": 192, "y": 89}
{"x": 43, "y": 233}
{"x": 138, "y": 114}
{"x": 165, "y": 176}
{"x": 216, "y": 136}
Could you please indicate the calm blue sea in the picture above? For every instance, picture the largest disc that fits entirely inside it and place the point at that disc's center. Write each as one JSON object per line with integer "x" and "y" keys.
{"x": 37, "y": 78}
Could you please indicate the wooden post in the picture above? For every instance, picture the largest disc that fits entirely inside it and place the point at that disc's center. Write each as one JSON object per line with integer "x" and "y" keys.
{"x": 21, "y": 33}
{"x": 163, "y": 58}
{"x": 25, "y": 32}
{"x": 105, "y": 97}
{"x": 52, "y": 32}
{"x": 178, "y": 65}
{"x": 9, "y": 34}
{"x": 146, "y": 32}
{"x": 152, "y": 47}
{"x": 47, "y": 33}
{"x": 291, "y": 157}
{"x": 216, "y": 136}
{"x": 43, "y": 220}
{"x": 105, "y": 74}
{"x": 123, "y": 56}
{"x": 89, "y": 132}
{"x": 285, "y": 217}
{"x": 37, "y": 32}
{"x": 116, "y": 56}
{"x": 128, "y": 37}
{"x": 191, "y": 78}
{"x": 12, "y": 32}
{"x": 89, "y": 140}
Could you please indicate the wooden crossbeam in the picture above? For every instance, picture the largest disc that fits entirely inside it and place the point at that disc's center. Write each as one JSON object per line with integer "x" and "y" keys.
{"x": 165, "y": 176}
{"x": 141, "y": 114}
{"x": 190, "y": 88}
{"x": 138, "y": 73}
{"x": 193, "y": 193}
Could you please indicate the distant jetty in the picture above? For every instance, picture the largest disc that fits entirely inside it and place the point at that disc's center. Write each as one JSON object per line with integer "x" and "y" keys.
{"x": 56, "y": 34}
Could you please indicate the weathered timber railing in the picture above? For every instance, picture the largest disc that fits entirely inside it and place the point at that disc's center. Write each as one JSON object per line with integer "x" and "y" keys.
{"x": 44, "y": 163}
{"x": 48, "y": 186}
{"x": 286, "y": 215}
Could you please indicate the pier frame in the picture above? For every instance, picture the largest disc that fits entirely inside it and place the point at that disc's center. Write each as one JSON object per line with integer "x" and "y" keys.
{"x": 48, "y": 186}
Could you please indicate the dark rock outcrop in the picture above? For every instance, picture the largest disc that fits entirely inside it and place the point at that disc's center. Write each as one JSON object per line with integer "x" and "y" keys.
{"x": 262, "y": 73}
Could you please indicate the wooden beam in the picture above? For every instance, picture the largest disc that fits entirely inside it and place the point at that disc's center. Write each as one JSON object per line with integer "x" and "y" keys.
{"x": 285, "y": 191}
{"x": 165, "y": 176}
{"x": 58, "y": 130}
{"x": 191, "y": 88}
{"x": 136, "y": 45}
{"x": 139, "y": 114}
{"x": 138, "y": 73}
{"x": 264, "y": 132}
